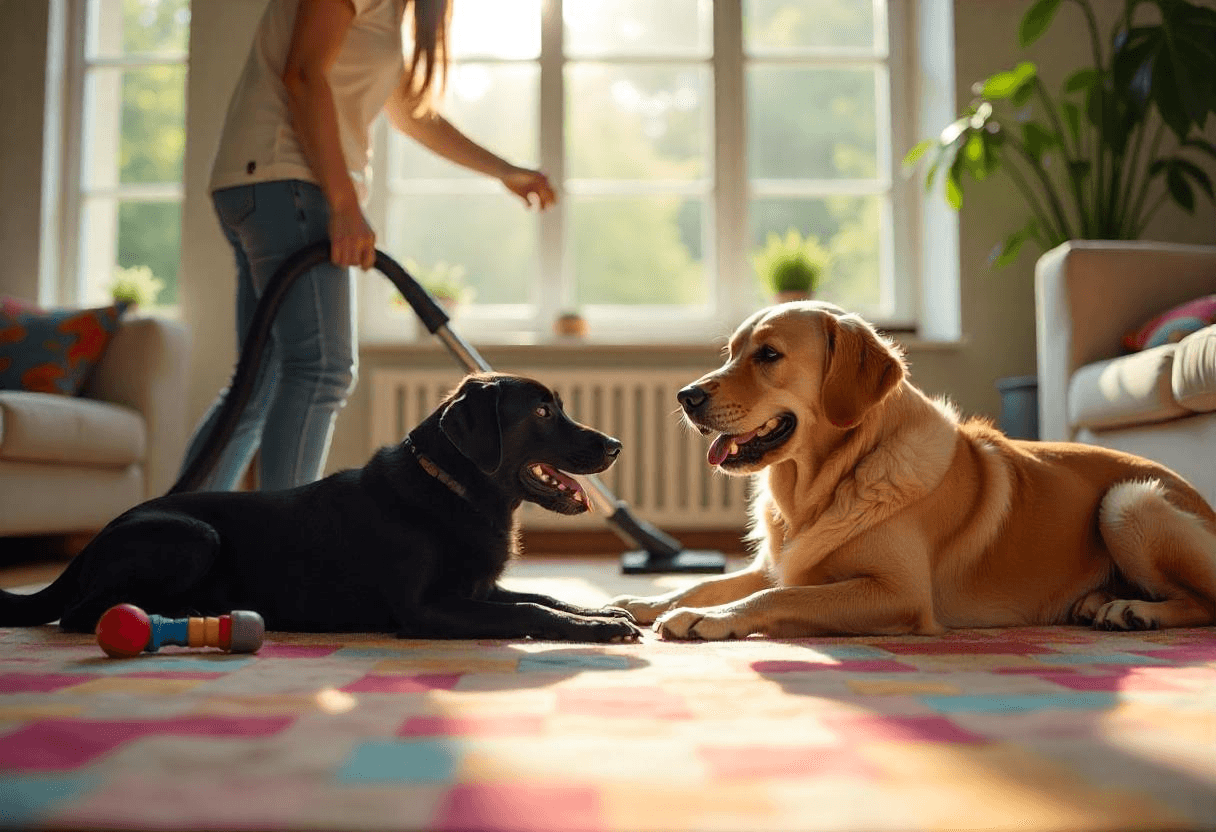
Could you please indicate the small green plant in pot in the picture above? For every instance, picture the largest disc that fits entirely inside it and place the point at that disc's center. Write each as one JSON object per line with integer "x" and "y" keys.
{"x": 445, "y": 282}
{"x": 1085, "y": 160}
{"x": 790, "y": 266}
{"x": 136, "y": 286}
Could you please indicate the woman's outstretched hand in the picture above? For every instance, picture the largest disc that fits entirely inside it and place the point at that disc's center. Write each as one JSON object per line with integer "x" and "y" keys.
{"x": 530, "y": 185}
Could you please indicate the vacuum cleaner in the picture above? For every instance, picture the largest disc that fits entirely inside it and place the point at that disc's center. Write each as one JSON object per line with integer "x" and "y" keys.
{"x": 656, "y": 551}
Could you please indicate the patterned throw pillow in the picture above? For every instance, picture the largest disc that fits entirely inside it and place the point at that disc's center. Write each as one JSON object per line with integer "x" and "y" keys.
{"x": 1173, "y": 325}
{"x": 52, "y": 351}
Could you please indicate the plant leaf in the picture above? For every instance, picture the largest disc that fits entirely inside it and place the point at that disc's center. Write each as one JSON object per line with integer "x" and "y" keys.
{"x": 1080, "y": 80}
{"x": 1203, "y": 145}
{"x": 1191, "y": 52}
{"x": 918, "y": 150}
{"x": 1007, "y": 252}
{"x": 1169, "y": 101}
{"x": 1189, "y": 168}
{"x": 1005, "y": 84}
{"x": 1038, "y": 139}
{"x": 1079, "y": 169}
{"x": 954, "y": 183}
{"x": 1036, "y": 20}
{"x": 1180, "y": 190}
{"x": 1072, "y": 118}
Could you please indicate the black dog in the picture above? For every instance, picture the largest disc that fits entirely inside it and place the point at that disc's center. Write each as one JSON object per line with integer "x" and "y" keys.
{"x": 412, "y": 543}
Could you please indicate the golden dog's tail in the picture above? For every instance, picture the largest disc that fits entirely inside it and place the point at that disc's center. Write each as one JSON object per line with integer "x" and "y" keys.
{"x": 1167, "y": 550}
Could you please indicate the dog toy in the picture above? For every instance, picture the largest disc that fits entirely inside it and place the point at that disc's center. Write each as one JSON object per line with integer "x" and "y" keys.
{"x": 125, "y": 631}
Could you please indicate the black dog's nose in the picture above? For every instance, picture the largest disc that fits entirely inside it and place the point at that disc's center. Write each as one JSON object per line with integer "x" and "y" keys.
{"x": 612, "y": 447}
{"x": 692, "y": 398}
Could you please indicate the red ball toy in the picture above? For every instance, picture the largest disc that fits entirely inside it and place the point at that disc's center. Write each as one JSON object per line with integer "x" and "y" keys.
{"x": 124, "y": 631}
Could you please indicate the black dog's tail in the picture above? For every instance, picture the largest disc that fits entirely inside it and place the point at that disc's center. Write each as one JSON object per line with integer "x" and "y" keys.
{"x": 17, "y": 610}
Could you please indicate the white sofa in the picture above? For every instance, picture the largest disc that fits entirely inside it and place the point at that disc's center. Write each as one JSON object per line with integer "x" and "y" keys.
{"x": 1159, "y": 403}
{"x": 69, "y": 464}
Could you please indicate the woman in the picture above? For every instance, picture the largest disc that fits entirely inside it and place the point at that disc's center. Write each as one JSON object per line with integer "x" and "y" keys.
{"x": 291, "y": 169}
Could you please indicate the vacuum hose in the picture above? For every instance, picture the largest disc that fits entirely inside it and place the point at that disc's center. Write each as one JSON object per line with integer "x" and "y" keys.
{"x": 656, "y": 544}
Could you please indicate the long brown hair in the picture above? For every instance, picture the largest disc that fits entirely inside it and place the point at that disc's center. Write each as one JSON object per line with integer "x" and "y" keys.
{"x": 428, "y": 66}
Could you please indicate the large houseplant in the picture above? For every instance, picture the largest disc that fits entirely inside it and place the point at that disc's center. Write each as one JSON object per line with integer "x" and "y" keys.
{"x": 1085, "y": 160}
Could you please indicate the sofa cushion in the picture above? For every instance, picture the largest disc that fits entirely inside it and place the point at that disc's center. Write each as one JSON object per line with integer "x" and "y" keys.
{"x": 1134, "y": 389}
{"x": 37, "y": 427}
{"x": 52, "y": 351}
{"x": 1172, "y": 325}
{"x": 1194, "y": 376}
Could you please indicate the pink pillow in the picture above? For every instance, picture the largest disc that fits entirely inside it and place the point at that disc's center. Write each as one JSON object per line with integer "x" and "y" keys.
{"x": 1173, "y": 325}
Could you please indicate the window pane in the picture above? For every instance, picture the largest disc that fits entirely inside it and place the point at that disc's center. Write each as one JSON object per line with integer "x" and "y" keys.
{"x": 138, "y": 27}
{"x": 494, "y": 104}
{"x": 811, "y": 123}
{"x": 639, "y": 250}
{"x": 602, "y": 28}
{"x": 848, "y": 227}
{"x": 637, "y": 122}
{"x": 494, "y": 29}
{"x": 492, "y": 237}
{"x": 785, "y": 24}
{"x": 130, "y": 234}
{"x": 134, "y": 126}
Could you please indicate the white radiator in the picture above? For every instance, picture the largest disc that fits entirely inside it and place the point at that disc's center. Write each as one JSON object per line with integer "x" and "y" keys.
{"x": 661, "y": 472}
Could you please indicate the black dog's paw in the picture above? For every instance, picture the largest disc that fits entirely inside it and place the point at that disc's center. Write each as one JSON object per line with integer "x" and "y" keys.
{"x": 601, "y": 629}
{"x": 614, "y": 629}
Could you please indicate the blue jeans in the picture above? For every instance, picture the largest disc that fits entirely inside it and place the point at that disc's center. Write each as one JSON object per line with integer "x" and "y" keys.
{"x": 309, "y": 367}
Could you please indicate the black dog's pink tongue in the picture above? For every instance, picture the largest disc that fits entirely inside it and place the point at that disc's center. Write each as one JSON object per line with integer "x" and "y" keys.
{"x": 720, "y": 449}
{"x": 570, "y": 483}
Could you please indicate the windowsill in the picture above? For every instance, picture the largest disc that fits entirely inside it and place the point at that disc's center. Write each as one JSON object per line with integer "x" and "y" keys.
{"x": 557, "y": 349}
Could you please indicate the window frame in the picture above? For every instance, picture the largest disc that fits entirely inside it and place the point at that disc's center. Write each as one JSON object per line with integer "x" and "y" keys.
{"x": 725, "y": 193}
{"x": 71, "y": 284}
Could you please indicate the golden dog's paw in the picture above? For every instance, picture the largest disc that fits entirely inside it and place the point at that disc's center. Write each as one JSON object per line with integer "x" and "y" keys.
{"x": 690, "y": 624}
{"x": 643, "y": 610}
{"x": 1127, "y": 615}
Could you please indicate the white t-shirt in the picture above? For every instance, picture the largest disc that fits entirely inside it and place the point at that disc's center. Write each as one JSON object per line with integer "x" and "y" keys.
{"x": 258, "y": 143}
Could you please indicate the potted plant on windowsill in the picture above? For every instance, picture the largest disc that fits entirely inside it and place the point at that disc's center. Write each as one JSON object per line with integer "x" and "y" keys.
{"x": 1086, "y": 159}
{"x": 445, "y": 282}
{"x": 135, "y": 286}
{"x": 790, "y": 267}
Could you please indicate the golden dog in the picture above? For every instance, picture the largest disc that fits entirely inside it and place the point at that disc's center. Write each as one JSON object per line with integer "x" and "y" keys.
{"x": 877, "y": 511}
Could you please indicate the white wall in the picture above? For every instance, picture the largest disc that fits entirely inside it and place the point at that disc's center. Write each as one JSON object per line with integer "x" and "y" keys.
{"x": 23, "y": 54}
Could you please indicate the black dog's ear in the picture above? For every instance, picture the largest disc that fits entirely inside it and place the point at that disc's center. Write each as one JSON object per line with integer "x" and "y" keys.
{"x": 470, "y": 422}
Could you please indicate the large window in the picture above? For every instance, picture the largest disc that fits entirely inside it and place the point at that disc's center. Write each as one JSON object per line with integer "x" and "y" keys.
{"x": 682, "y": 135}
{"x": 124, "y": 194}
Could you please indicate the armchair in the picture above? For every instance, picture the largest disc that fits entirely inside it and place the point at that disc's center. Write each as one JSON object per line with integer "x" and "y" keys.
{"x": 1159, "y": 403}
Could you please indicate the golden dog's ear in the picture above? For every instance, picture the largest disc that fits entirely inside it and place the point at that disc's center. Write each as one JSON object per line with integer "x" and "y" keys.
{"x": 861, "y": 370}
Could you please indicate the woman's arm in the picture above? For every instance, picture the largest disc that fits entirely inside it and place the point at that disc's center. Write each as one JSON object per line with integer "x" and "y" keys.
{"x": 316, "y": 38}
{"x": 440, "y": 136}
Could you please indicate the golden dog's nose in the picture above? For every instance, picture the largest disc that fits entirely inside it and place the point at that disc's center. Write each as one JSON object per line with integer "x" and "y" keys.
{"x": 692, "y": 398}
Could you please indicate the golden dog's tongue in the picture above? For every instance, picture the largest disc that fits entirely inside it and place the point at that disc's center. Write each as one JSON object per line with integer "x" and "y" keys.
{"x": 721, "y": 447}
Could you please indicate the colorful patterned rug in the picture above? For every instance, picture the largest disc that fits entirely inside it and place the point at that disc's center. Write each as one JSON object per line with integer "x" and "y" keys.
{"x": 1026, "y": 729}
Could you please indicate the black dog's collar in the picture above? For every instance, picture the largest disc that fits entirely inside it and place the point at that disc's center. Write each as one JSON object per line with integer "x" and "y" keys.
{"x": 438, "y": 473}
